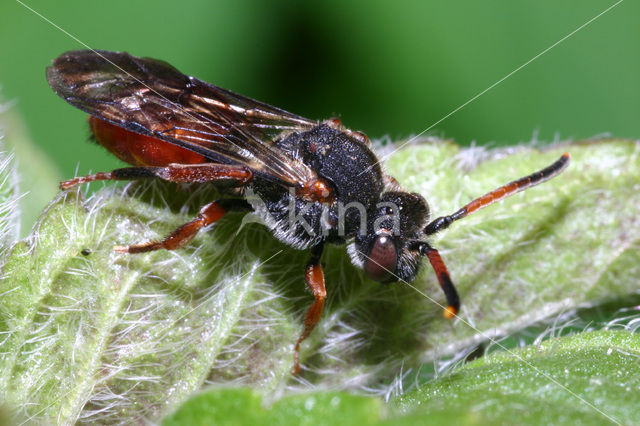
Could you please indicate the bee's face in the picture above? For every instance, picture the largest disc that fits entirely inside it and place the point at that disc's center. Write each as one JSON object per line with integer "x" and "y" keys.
{"x": 386, "y": 251}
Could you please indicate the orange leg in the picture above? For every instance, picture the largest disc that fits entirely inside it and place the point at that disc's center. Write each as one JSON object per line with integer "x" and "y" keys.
{"x": 444, "y": 279}
{"x": 194, "y": 173}
{"x": 443, "y": 223}
{"x": 314, "y": 277}
{"x": 200, "y": 173}
{"x": 209, "y": 214}
{"x": 453, "y": 301}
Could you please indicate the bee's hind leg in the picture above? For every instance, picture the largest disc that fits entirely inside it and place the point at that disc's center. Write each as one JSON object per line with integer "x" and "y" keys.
{"x": 191, "y": 173}
{"x": 185, "y": 173}
{"x": 209, "y": 214}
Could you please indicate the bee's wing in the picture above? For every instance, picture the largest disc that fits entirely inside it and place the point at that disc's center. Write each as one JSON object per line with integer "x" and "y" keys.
{"x": 150, "y": 97}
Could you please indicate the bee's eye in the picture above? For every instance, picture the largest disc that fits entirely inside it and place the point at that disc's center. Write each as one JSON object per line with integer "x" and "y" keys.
{"x": 382, "y": 261}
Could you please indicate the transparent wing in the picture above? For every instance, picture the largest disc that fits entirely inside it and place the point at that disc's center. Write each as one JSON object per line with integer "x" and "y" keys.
{"x": 151, "y": 97}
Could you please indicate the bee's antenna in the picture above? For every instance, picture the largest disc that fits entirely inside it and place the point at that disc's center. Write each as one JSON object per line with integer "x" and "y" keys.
{"x": 498, "y": 194}
{"x": 443, "y": 222}
{"x": 453, "y": 301}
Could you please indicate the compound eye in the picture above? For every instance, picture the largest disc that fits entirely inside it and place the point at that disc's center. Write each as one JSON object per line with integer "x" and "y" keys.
{"x": 382, "y": 261}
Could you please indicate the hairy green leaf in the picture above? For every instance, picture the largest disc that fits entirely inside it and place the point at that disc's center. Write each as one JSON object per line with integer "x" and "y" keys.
{"x": 244, "y": 406}
{"x": 588, "y": 378}
{"x": 90, "y": 335}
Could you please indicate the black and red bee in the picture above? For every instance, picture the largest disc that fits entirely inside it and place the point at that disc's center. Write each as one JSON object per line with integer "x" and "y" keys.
{"x": 174, "y": 127}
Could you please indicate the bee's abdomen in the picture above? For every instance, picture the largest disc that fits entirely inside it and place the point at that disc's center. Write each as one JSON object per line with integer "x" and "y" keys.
{"x": 140, "y": 150}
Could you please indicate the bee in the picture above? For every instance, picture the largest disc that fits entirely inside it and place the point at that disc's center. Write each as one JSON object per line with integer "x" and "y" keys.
{"x": 312, "y": 182}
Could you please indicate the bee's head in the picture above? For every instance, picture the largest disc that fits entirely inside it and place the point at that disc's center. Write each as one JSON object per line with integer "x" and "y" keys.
{"x": 387, "y": 250}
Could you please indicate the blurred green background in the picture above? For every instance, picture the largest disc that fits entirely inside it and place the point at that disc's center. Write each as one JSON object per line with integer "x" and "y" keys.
{"x": 386, "y": 68}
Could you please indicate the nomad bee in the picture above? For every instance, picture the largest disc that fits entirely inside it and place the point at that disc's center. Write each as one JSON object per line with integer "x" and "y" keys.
{"x": 311, "y": 182}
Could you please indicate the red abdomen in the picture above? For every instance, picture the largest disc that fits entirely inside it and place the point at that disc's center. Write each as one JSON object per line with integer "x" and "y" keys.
{"x": 140, "y": 150}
